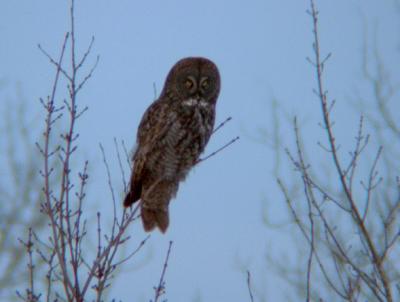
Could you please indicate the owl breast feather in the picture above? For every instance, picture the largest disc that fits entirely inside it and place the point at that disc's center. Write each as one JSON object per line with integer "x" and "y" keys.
{"x": 186, "y": 139}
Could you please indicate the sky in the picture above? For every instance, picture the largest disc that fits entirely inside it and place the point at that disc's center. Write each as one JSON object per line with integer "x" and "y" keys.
{"x": 260, "y": 48}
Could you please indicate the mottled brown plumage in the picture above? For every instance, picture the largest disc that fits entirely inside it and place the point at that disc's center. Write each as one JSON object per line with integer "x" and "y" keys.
{"x": 171, "y": 136}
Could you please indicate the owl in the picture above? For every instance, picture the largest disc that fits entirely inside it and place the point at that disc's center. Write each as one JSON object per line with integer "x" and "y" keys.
{"x": 172, "y": 134}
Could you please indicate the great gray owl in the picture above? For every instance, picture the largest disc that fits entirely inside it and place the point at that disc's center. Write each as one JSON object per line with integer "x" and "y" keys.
{"x": 172, "y": 134}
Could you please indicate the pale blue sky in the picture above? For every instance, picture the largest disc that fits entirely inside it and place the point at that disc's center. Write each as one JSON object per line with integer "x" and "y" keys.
{"x": 260, "y": 48}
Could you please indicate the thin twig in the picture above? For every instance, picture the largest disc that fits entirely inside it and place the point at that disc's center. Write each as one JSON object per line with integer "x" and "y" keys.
{"x": 121, "y": 169}
{"x": 56, "y": 64}
{"x": 160, "y": 289}
{"x": 222, "y": 124}
{"x": 218, "y": 150}
{"x": 249, "y": 286}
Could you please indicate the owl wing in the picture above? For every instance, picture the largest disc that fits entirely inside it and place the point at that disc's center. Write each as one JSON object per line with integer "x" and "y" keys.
{"x": 152, "y": 130}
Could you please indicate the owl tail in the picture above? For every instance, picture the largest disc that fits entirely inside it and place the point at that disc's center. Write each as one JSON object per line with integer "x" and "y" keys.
{"x": 152, "y": 218}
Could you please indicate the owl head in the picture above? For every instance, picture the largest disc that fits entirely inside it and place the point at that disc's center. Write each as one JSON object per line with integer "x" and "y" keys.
{"x": 193, "y": 78}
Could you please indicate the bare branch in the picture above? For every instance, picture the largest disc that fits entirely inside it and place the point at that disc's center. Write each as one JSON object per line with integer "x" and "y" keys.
{"x": 160, "y": 289}
{"x": 222, "y": 124}
{"x": 218, "y": 150}
{"x": 249, "y": 286}
{"x": 326, "y": 117}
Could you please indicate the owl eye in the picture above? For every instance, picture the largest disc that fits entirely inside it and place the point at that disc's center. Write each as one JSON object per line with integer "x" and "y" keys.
{"x": 189, "y": 83}
{"x": 205, "y": 83}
